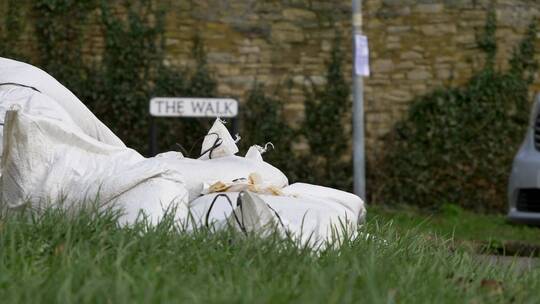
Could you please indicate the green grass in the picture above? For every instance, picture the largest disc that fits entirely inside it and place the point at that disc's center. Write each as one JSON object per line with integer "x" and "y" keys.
{"x": 454, "y": 222}
{"x": 88, "y": 259}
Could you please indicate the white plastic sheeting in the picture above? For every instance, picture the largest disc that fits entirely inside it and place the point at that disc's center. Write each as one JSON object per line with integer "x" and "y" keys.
{"x": 46, "y": 162}
{"x": 12, "y": 71}
{"x": 34, "y": 103}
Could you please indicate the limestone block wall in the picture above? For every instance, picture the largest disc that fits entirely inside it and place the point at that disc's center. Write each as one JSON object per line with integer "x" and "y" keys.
{"x": 278, "y": 43}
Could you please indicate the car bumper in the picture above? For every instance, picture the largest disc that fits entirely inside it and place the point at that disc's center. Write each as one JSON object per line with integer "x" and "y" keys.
{"x": 525, "y": 175}
{"x": 531, "y": 218}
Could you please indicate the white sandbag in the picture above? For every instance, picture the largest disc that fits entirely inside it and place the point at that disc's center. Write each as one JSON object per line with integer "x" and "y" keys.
{"x": 256, "y": 216}
{"x": 152, "y": 199}
{"x": 200, "y": 173}
{"x": 255, "y": 152}
{"x": 218, "y": 142}
{"x": 254, "y": 183}
{"x": 34, "y": 103}
{"x": 348, "y": 200}
{"x": 219, "y": 210}
{"x": 308, "y": 220}
{"x": 12, "y": 71}
{"x": 45, "y": 162}
{"x": 170, "y": 155}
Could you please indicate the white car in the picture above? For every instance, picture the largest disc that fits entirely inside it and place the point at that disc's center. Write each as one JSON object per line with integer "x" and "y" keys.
{"x": 524, "y": 184}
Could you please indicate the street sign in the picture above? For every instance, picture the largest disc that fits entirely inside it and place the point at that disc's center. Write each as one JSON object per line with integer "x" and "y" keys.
{"x": 193, "y": 107}
{"x": 188, "y": 107}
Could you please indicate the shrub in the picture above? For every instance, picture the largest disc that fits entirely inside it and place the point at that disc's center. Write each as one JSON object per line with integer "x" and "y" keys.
{"x": 263, "y": 122}
{"x": 326, "y": 126}
{"x": 10, "y": 29}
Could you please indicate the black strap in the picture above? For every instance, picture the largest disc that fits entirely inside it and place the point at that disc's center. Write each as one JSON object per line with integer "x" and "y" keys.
{"x": 277, "y": 215}
{"x": 20, "y": 85}
{"x": 240, "y": 179}
{"x": 238, "y": 202}
{"x": 214, "y": 146}
{"x": 239, "y": 205}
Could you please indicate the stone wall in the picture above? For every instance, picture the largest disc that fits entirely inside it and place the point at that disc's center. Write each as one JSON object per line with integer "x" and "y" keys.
{"x": 416, "y": 46}
{"x": 419, "y": 45}
{"x": 278, "y": 43}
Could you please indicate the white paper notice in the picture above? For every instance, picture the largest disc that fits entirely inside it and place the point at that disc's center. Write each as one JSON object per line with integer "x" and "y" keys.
{"x": 361, "y": 58}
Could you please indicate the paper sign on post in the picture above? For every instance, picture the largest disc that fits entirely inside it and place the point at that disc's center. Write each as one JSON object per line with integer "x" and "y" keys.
{"x": 361, "y": 56}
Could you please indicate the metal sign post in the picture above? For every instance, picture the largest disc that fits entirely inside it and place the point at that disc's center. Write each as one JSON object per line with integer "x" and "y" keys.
{"x": 190, "y": 108}
{"x": 360, "y": 69}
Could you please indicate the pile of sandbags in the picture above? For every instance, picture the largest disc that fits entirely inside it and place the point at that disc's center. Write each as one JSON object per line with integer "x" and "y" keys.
{"x": 252, "y": 195}
{"x": 56, "y": 153}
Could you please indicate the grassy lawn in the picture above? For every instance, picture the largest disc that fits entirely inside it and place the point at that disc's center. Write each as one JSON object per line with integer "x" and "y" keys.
{"x": 88, "y": 259}
{"x": 453, "y": 222}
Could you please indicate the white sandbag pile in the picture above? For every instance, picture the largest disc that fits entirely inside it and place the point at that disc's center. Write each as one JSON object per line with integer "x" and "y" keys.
{"x": 55, "y": 152}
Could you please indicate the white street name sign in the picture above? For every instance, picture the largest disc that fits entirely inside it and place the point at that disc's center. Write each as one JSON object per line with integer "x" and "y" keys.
{"x": 193, "y": 107}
